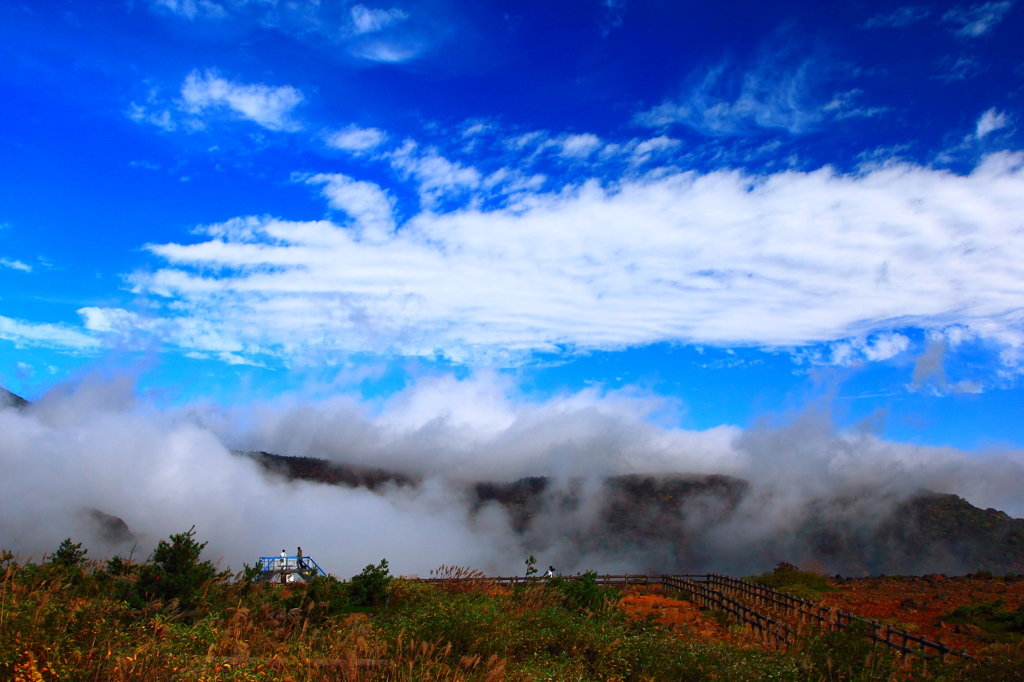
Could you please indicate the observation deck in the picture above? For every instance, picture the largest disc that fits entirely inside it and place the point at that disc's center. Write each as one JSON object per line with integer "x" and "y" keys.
{"x": 288, "y": 569}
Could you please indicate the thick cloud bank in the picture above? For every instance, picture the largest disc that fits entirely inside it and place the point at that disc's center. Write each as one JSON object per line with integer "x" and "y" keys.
{"x": 96, "y": 447}
{"x": 724, "y": 258}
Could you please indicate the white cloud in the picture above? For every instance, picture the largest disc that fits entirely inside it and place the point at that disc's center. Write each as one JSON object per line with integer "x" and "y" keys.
{"x": 366, "y": 20}
{"x": 436, "y": 175}
{"x": 161, "y": 118}
{"x": 25, "y": 334}
{"x": 191, "y": 9}
{"x": 15, "y": 265}
{"x": 772, "y": 95}
{"x": 964, "y": 67}
{"x": 977, "y": 20}
{"x": 723, "y": 258}
{"x": 879, "y": 347}
{"x": 387, "y": 51}
{"x": 655, "y": 145}
{"x": 266, "y": 105}
{"x": 520, "y": 142}
{"x": 843, "y": 105}
{"x": 579, "y": 146}
{"x": 355, "y": 139}
{"x": 376, "y": 34}
{"x": 991, "y": 121}
{"x": 904, "y": 16}
{"x": 367, "y": 203}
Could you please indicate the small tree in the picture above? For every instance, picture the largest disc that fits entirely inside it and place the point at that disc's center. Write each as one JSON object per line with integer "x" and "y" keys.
{"x": 69, "y": 554}
{"x": 370, "y": 587}
{"x": 531, "y": 566}
{"x": 174, "y": 570}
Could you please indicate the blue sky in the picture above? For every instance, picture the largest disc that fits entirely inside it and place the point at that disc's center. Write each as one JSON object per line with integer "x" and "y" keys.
{"x": 748, "y": 209}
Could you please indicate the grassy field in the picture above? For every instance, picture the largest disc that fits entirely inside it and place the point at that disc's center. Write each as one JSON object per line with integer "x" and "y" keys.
{"x": 177, "y": 618}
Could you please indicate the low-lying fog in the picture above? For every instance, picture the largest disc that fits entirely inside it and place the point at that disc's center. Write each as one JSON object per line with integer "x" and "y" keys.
{"x": 96, "y": 445}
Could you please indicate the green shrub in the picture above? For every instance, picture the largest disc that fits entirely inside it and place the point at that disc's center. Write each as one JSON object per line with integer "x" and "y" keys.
{"x": 118, "y": 566}
{"x": 786, "y": 576}
{"x": 582, "y": 592}
{"x": 370, "y": 588}
{"x": 988, "y": 612}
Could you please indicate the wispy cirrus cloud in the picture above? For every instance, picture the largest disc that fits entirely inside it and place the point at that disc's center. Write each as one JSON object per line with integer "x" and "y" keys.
{"x": 579, "y": 146}
{"x": 899, "y": 18}
{"x": 382, "y": 34}
{"x": 266, "y": 105}
{"x": 991, "y": 121}
{"x": 977, "y": 20}
{"x": 787, "y": 259}
{"x": 205, "y": 94}
{"x": 15, "y": 264}
{"x": 191, "y": 9}
{"x": 781, "y": 91}
{"x": 614, "y": 15}
{"x": 33, "y": 334}
{"x": 367, "y": 20}
{"x": 356, "y": 140}
{"x": 958, "y": 69}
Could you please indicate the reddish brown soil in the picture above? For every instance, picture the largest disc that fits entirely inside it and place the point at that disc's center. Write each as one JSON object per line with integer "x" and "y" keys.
{"x": 672, "y": 614}
{"x": 933, "y": 596}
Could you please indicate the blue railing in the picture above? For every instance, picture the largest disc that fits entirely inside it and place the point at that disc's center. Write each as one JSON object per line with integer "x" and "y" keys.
{"x": 290, "y": 564}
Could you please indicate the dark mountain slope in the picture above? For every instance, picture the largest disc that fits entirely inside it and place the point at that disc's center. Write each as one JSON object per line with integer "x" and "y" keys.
{"x": 8, "y": 399}
{"x": 682, "y": 522}
{"x": 331, "y": 473}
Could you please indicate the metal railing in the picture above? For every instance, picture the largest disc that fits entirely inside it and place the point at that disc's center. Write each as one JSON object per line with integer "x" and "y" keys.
{"x": 272, "y": 565}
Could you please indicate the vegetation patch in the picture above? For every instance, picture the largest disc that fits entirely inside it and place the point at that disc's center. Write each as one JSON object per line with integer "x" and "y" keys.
{"x": 176, "y": 617}
{"x": 787, "y": 577}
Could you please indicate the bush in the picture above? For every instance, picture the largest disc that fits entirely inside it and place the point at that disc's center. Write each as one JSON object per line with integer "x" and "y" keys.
{"x": 988, "y": 612}
{"x": 329, "y": 595}
{"x": 582, "y": 592}
{"x": 174, "y": 570}
{"x": 786, "y": 575}
{"x": 370, "y": 587}
{"x": 118, "y": 566}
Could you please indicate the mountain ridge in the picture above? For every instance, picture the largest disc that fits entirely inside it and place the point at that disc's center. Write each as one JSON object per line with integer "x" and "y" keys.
{"x": 9, "y": 399}
{"x": 674, "y": 519}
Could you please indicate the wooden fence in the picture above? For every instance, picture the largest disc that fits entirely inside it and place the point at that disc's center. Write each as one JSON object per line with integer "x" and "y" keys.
{"x": 708, "y": 590}
{"x": 605, "y": 580}
{"x": 772, "y": 632}
{"x": 832, "y": 618}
